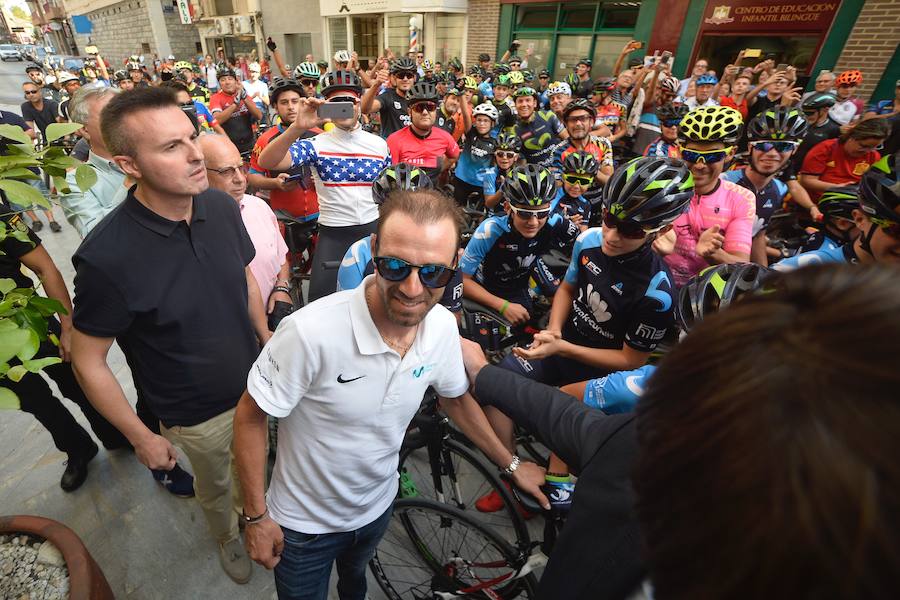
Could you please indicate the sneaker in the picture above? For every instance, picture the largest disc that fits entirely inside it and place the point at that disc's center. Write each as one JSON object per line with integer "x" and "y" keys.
{"x": 77, "y": 469}
{"x": 560, "y": 492}
{"x": 178, "y": 482}
{"x": 37, "y": 225}
{"x": 407, "y": 487}
{"x": 54, "y": 227}
{"x": 234, "y": 560}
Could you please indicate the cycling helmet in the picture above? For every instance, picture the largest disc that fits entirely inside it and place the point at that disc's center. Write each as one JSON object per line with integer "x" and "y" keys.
{"x": 401, "y": 176}
{"x": 322, "y": 64}
{"x": 852, "y": 77}
{"x": 580, "y": 163}
{"x": 524, "y": 91}
{"x": 516, "y": 78}
{"x": 403, "y": 64}
{"x": 133, "y": 66}
{"x": 711, "y": 124}
{"x": 879, "y": 191}
{"x": 487, "y": 109}
{"x": 484, "y": 57}
{"x": 334, "y": 81}
{"x": 183, "y": 64}
{"x": 342, "y": 56}
{"x": 529, "y": 186}
{"x": 306, "y": 70}
{"x": 225, "y": 73}
{"x": 544, "y": 73}
{"x": 502, "y": 81}
{"x": 580, "y": 104}
{"x": 714, "y": 288}
{"x": 818, "y": 100}
{"x": 455, "y": 63}
{"x": 585, "y": 61}
{"x": 422, "y": 91}
{"x": 559, "y": 87}
{"x": 508, "y": 141}
{"x": 779, "y": 123}
{"x": 514, "y": 59}
{"x": 650, "y": 191}
{"x": 672, "y": 112}
{"x": 475, "y": 70}
{"x": 65, "y": 77}
{"x": 604, "y": 84}
{"x": 528, "y": 75}
{"x": 427, "y": 65}
{"x": 470, "y": 83}
{"x": 839, "y": 202}
{"x": 454, "y": 92}
{"x": 670, "y": 84}
{"x": 501, "y": 68}
{"x": 121, "y": 75}
{"x": 280, "y": 85}
{"x": 707, "y": 79}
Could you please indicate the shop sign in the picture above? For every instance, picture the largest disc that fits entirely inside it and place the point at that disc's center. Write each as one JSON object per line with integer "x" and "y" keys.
{"x": 184, "y": 12}
{"x": 355, "y": 7}
{"x": 753, "y": 15}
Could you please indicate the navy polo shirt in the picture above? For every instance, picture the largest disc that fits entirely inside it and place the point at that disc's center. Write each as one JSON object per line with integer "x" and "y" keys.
{"x": 175, "y": 298}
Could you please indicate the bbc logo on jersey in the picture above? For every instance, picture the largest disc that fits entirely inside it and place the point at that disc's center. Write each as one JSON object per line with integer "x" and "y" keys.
{"x": 650, "y": 333}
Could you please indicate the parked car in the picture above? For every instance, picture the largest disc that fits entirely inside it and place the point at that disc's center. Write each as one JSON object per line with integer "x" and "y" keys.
{"x": 10, "y": 52}
{"x": 65, "y": 62}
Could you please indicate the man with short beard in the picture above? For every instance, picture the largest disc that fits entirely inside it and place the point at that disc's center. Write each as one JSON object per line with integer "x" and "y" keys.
{"x": 421, "y": 144}
{"x": 235, "y": 110}
{"x": 391, "y": 104}
{"x": 449, "y": 116}
{"x": 578, "y": 117}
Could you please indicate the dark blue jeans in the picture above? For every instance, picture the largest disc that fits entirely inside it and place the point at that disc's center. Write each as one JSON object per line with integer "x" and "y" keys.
{"x": 305, "y": 566}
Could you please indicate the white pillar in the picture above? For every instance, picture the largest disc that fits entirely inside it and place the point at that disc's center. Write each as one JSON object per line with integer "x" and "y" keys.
{"x": 158, "y": 25}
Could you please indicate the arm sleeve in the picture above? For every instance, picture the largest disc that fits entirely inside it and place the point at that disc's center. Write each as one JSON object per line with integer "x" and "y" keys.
{"x": 254, "y": 158}
{"x": 215, "y": 103}
{"x": 12, "y": 247}
{"x": 100, "y": 307}
{"x": 452, "y": 146}
{"x": 571, "y": 276}
{"x": 556, "y": 125}
{"x": 284, "y": 370}
{"x": 815, "y": 159}
{"x": 353, "y": 267}
{"x": 569, "y": 428}
{"x": 478, "y": 247}
{"x": 393, "y": 144}
{"x": 738, "y": 235}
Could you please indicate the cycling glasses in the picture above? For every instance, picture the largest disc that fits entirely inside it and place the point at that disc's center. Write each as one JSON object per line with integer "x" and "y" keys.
{"x": 810, "y": 113}
{"x": 405, "y": 75}
{"x": 350, "y": 99}
{"x": 708, "y": 157}
{"x": 423, "y": 107}
{"x": 582, "y": 180}
{"x": 671, "y": 122}
{"x": 505, "y": 154}
{"x": 626, "y": 229}
{"x": 778, "y": 146}
{"x": 309, "y": 82}
{"x": 527, "y": 215}
{"x": 397, "y": 269}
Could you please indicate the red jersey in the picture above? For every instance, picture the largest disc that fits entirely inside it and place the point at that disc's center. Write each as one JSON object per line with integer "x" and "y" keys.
{"x": 729, "y": 101}
{"x": 831, "y": 164}
{"x": 302, "y": 201}
{"x": 428, "y": 152}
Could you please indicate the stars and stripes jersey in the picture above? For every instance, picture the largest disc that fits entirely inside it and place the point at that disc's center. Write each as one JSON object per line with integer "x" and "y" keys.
{"x": 344, "y": 163}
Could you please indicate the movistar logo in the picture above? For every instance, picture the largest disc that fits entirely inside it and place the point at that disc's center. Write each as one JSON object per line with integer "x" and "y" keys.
{"x": 419, "y": 371}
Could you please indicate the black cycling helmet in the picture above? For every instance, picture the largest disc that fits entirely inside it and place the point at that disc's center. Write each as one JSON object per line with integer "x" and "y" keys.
{"x": 650, "y": 191}
{"x": 403, "y": 64}
{"x": 502, "y": 68}
{"x": 280, "y": 85}
{"x": 818, "y": 100}
{"x": 508, "y": 141}
{"x": 422, "y": 91}
{"x": 879, "y": 191}
{"x": 335, "y": 81}
{"x": 121, "y": 75}
{"x": 401, "y": 176}
{"x": 484, "y": 57}
{"x": 580, "y": 104}
{"x": 672, "y": 112}
{"x": 531, "y": 186}
{"x": 779, "y": 123}
{"x": 224, "y": 73}
{"x": 839, "y": 202}
{"x": 604, "y": 84}
{"x": 714, "y": 288}
{"x": 580, "y": 163}
{"x": 455, "y": 63}
{"x": 475, "y": 70}
{"x": 544, "y": 73}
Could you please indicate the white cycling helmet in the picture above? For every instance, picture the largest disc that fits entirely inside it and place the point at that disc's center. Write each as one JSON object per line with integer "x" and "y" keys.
{"x": 306, "y": 70}
{"x": 65, "y": 77}
{"x": 342, "y": 56}
{"x": 670, "y": 84}
{"x": 487, "y": 109}
{"x": 559, "y": 87}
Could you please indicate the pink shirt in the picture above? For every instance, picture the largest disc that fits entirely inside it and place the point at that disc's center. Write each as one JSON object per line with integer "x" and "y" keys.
{"x": 732, "y": 208}
{"x": 271, "y": 250}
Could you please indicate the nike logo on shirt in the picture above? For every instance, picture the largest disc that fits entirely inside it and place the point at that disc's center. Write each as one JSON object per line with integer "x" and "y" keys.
{"x": 341, "y": 379}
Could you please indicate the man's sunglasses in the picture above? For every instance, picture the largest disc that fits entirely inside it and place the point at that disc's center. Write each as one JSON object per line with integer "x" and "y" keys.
{"x": 778, "y": 146}
{"x": 810, "y": 113}
{"x": 671, "y": 122}
{"x": 582, "y": 180}
{"x": 526, "y": 215}
{"x": 397, "y": 269}
{"x": 423, "y": 107}
{"x": 309, "y": 82}
{"x": 505, "y": 154}
{"x": 405, "y": 75}
{"x": 631, "y": 231}
{"x": 350, "y": 99}
{"x": 30, "y": 92}
{"x": 708, "y": 157}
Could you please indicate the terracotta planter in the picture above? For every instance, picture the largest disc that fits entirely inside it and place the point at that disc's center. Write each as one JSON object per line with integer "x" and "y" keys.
{"x": 86, "y": 580}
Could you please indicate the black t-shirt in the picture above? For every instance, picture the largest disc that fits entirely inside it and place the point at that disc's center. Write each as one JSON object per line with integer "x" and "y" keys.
{"x": 584, "y": 89}
{"x": 393, "y": 112}
{"x": 41, "y": 118}
{"x": 13, "y": 248}
{"x": 444, "y": 122}
{"x": 828, "y": 130}
{"x": 175, "y": 298}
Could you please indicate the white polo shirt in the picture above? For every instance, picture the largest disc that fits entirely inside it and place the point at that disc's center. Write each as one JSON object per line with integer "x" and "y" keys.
{"x": 344, "y": 400}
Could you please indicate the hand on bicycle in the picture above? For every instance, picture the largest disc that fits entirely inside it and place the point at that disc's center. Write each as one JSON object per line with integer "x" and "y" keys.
{"x": 264, "y": 542}
{"x": 516, "y": 314}
{"x": 529, "y": 478}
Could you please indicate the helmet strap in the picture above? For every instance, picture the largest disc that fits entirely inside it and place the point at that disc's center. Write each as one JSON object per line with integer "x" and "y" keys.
{"x": 865, "y": 240}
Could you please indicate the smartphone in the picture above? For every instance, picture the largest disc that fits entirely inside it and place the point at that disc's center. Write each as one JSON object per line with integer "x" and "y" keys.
{"x": 91, "y": 50}
{"x": 752, "y": 53}
{"x": 639, "y": 45}
{"x": 296, "y": 177}
{"x": 782, "y": 67}
{"x": 666, "y": 57}
{"x": 336, "y": 110}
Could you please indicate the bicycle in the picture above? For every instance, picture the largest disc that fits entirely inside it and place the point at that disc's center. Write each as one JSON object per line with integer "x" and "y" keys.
{"x": 300, "y": 237}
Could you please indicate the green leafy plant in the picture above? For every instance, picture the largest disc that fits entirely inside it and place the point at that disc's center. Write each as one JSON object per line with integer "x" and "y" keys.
{"x": 24, "y": 314}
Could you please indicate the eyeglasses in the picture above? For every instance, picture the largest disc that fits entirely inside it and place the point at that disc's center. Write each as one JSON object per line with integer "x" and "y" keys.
{"x": 581, "y": 119}
{"x": 543, "y": 77}
{"x": 708, "y": 157}
{"x": 810, "y": 113}
{"x": 350, "y": 99}
{"x": 230, "y": 171}
{"x": 505, "y": 154}
{"x": 847, "y": 85}
{"x": 309, "y": 82}
{"x": 671, "y": 122}
{"x": 631, "y": 231}
{"x": 527, "y": 215}
{"x": 405, "y": 75}
{"x": 30, "y": 92}
{"x": 582, "y": 180}
{"x": 397, "y": 269}
{"x": 423, "y": 107}
{"x": 778, "y": 146}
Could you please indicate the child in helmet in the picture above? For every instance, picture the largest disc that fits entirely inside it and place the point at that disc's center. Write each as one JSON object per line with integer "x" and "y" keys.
{"x": 474, "y": 165}
{"x": 670, "y": 116}
{"x": 578, "y": 172}
{"x": 506, "y": 156}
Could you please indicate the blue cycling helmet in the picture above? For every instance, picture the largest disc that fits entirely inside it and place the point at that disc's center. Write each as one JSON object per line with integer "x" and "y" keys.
{"x": 707, "y": 79}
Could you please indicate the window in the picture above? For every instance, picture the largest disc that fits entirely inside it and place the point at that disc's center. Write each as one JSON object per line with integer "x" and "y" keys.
{"x": 620, "y": 15}
{"x": 297, "y": 46}
{"x": 535, "y": 49}
{"x": 365, "y": 37}
{"x": 448, "y": 36}
{"x": 536, "y": 17}
{"x": 337, "y": 26}
{"x": 578, "y": 16}
{"x": 606, "y": 51}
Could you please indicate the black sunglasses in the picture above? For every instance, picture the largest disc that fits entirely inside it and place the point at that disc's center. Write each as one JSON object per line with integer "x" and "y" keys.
{"x": 629, "y": 230}
{"x": 309, "y": 82}
{"x": 397, "y": 269}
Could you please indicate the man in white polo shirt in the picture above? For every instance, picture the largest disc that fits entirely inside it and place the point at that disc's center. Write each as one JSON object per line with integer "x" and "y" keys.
{"x": 345, "y": 376}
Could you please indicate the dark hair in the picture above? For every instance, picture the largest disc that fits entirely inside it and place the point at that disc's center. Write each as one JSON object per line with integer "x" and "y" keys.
{"x": 422, "y": 206}
{"x": 117, "y": 134}
{"x": 867, "y": 129}
{"x": 175, "y": 84}
{"x": 768, "y": 444}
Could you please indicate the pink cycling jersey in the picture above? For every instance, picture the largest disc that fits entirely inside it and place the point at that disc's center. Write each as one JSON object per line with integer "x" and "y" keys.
{"x": 732, "y": 208}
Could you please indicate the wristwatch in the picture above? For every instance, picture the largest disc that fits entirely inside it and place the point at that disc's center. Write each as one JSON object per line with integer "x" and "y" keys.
{"x": 513, "y": 465}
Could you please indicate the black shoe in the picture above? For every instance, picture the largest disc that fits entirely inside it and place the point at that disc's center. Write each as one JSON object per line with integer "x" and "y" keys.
{"x": 54, "y": 227}
{"x": 37, "y": 225}
{"x": 76, "y": 470}
{"x": 178, "y": 482}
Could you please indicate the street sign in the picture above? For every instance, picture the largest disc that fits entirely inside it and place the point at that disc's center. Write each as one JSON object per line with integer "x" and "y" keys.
{"x": 184, "y": 11}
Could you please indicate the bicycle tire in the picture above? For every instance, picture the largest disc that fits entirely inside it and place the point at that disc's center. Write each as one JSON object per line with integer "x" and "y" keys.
{"x": 409, "y": 538}
{"x": 470, "y": 479}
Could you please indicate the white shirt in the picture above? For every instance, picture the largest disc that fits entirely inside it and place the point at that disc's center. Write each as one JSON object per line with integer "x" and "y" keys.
{"x": 252, "y": 87}
{"x": 345, "y": 163}
{"x": 691, "y": 102}
{"x": 212, "y": 81}
{"x": 344, "y": 400}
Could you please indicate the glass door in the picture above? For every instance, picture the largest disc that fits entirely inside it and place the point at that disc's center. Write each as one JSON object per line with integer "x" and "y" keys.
{"x": 569, "y": 50}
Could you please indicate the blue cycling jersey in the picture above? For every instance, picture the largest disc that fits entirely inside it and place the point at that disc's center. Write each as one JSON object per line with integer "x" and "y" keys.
{"x": 357, "y": 265}
{"x": 618, "y": 392}
{"x": 539, "y": 135}
{"x": 568, "y": 206}
{"x": 769, "y": 199}
{"x": 619, "y": 300}
{"x": 820, "y": 240}
{"x": 475, "y": 161}
{"x": 839, "y": 254}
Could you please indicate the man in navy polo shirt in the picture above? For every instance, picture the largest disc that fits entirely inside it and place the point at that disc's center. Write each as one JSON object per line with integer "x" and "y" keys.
{"x": 165, "y": 274}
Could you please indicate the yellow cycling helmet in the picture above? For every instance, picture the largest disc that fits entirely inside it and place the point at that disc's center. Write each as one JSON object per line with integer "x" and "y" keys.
{"x": 470, "y": 83}
{"x": 516, "y": 78}
{"x": 183, "y": 64}
{"x": 711, "y": 124}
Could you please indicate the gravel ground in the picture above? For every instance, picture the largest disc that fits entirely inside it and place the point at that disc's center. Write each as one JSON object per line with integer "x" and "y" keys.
{"x": 31, "y": 569}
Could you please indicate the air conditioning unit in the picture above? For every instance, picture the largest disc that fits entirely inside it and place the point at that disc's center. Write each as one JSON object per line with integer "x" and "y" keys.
{"x": 242, "y": 25}
{"x": 223, "y": 25}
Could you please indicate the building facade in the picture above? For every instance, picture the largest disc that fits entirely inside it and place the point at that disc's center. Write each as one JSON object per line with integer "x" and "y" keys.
{"x": 234, "y": 26}
{"x": 52, "y": 29}
{"x": 296, "y": 32}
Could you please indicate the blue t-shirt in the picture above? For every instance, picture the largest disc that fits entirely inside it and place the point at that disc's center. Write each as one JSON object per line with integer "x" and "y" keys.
{"x": 618, "y": 392}
{"x": 475, "y": 161}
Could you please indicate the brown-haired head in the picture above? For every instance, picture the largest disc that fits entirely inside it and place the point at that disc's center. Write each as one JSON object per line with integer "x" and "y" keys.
{"x": 114, "y": 125}
{"x": 422, "y": 206}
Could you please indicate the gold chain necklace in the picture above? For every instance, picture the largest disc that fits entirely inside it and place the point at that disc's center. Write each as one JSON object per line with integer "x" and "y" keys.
{"x": 400, "y": 348}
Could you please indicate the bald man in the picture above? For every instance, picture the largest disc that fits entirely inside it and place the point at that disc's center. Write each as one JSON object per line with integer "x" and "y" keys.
{"x": 271, "y": 268}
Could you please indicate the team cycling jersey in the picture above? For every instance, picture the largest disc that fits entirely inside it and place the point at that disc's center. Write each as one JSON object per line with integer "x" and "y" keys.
{"x": 507, "y": 115}
{"x": 618, "y": 392}
{"x": 475, "y": 160}
{"x": 199, "y": 93}
{"x": 539, "y": 135}
{"x": 620, "y": 300}
{"x": 769, "y": 199}
{"x": 357, "y": 265}
{"x": 568, "y": 206}
{"x": 820, "y": 240}
{"x": 501, "y": 259}
{"x": 840, "y": 254}
{"x": 301, "y": 202}
{"x": 609, "y": 115}
{"x": 427, "y": 152}
{"x": 729, "y": 206}
{"x": 662, "y": 148}
{"x": 599, "y": 147}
